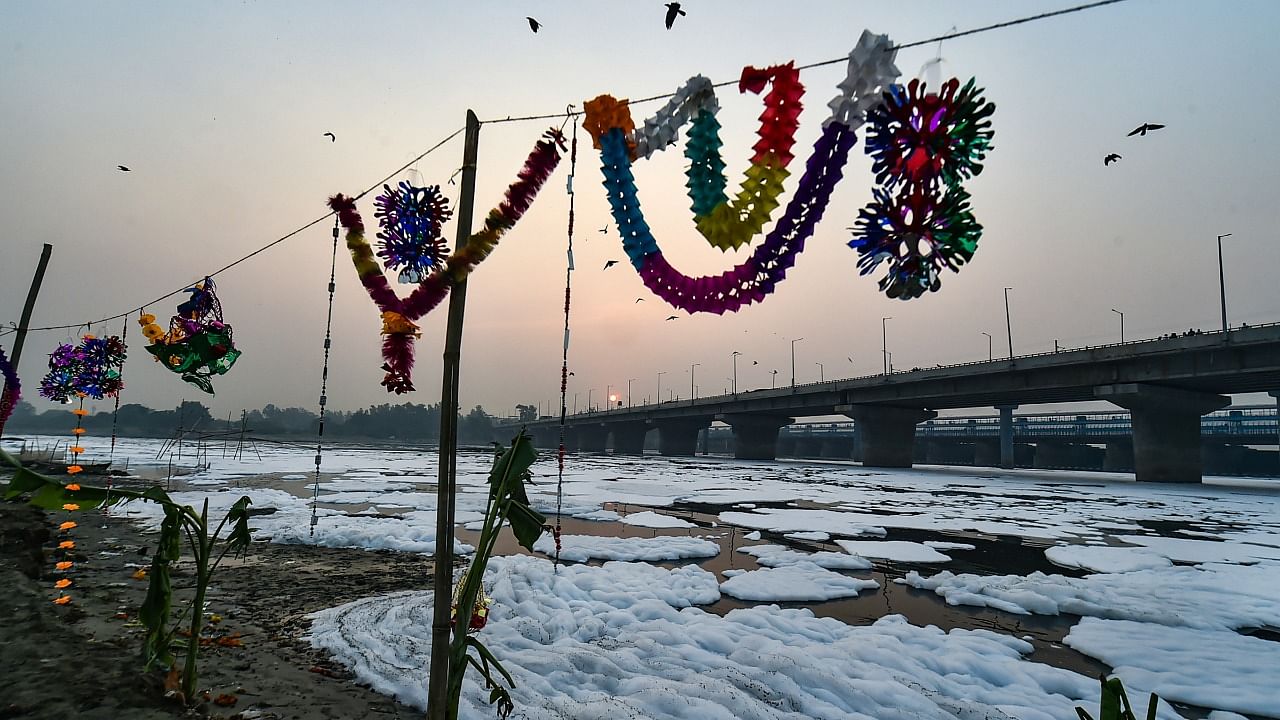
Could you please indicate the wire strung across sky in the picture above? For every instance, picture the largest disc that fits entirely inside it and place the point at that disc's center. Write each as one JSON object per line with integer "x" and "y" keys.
{"x": 548, "y": 116}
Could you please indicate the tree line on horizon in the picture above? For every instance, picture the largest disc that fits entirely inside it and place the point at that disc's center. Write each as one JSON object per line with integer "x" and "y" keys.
{"x": 406, "y": 421}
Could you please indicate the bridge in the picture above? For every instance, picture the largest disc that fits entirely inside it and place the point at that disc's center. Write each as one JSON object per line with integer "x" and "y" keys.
{"x": 1166, "y": 384}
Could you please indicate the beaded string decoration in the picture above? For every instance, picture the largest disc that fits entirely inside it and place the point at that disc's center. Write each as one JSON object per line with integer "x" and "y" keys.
{"x": 198, "y": 344}
{"x": 870, "y": 69}
{"x": 923, "y": 146}
{"x": 564, "y": 357}
{"x": 324, "y": 383}
{"x": 399, "y": 314}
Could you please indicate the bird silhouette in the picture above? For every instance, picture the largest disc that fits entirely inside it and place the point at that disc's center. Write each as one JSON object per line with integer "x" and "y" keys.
{"x": 1144, "y": 127}
{"x": 610, "y": 263}
{"x": 755, "y": 362}
{"x": 639, "y": 300}
{"x": 122, "y": 168}
{"x": 849, "y": 358}
{"x": 1110, "y": 159}
{"x": 604, "y": 230}
{"x": 673, "y": 9}
{"x": 332, "y": 137}
{"x": 533, "y": 24}
{"x": 673, "y": 317}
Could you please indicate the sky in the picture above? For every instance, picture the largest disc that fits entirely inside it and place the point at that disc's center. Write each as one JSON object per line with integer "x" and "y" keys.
{"x": 220, "y": 110}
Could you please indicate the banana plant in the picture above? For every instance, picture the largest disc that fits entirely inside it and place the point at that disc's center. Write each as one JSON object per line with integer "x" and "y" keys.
{"x": 207, "y": 550}
{"x": 1114, "y": 704}
{"x": 508, "y": 504}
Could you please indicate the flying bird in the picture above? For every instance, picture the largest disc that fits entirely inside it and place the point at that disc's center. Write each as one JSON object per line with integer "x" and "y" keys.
{"x": 673, "y": 317}
{"x": 533, "y": 24}
{"x": 610, "y": 263}
{"x": 122, "y": 168}
{"x": 604, "y": 230}
{"x": 755, "y": 362}
{"x": 332, "y": 137}
{"x": 639, "y": 300}
{"x": 1144, "y": 127}
{"x": 1110, "y": 159}
{"x": 673, "y": 9}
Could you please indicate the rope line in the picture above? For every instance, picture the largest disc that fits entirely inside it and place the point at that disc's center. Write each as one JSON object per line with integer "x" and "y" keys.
{"x": 834, "y": 61}
{"x": 260, "y": 250}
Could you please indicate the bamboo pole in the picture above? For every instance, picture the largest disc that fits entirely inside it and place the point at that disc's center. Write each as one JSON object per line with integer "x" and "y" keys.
{"x": 438, "y": 683}
{"x": 21, "y": 337}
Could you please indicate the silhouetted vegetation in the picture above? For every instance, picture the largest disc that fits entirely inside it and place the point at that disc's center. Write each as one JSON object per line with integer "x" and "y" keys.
{"x": 406, "y": 421}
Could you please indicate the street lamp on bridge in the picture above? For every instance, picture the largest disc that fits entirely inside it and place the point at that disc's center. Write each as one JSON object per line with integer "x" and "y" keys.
{"x": 658, "y": 399}
{"x": 735, "y": 355}
{"x": 821, "y": 378}
{"x": 629, "y": 381}
{"x": 793, "y": 361}
{"x": 990, "y": 352}
{"x": 693, "y": 389}
{"x": 1008, "y": 325}
{"x": 774, "y": 384}
{"x": 1222, "y": 285}
{"x": 1121, "y": 324}
{"x": 884, "y": 340}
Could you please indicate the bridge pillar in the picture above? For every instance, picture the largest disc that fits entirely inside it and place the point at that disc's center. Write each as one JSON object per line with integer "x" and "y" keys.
{"x": 1119, "y": 457}
{"x": 1166, "y": 428}
{"x": 857, "y": 443}
{"x": 547, "y": 438}
{"x": 679, "y": 436}
{"x": 786, "y": 446}
{"x": 628, "y": 437}
{"x": 593, "y": 437}
{"x": 837, "y": 447}
{"x": 1007, "y": 459}
{"x": 888, "y": 432}
{"x": 755, "y": 437}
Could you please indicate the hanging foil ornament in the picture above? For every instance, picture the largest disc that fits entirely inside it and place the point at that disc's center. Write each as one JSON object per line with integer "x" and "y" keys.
{"x": 12, "y": 391}
{"x": 91, "y": 368}
{"x": 198, "y": 344}
{"x": 923, "y": 146}
{"x": 411, "y": 219}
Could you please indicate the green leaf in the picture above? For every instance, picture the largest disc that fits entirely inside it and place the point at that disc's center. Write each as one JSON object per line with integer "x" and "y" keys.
{"x": 510, "y": 468}
{"x": 489, "y": 659}
{"x": 240, "y": 537}
{"x": 526, "y": 523}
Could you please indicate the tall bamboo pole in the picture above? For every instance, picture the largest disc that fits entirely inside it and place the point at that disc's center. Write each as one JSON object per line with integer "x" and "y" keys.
{"x": 438, "y": 684}
{"x": 25, "y": 321}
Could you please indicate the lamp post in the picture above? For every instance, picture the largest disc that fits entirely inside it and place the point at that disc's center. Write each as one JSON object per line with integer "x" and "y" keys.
{"x": 589, "y": 392}
{"x": 793, "y": 361}
{"x": 990, "y": 352}
{"x": 821, "y": 377}
{"x": 658, "y": 399}
{"x": 1121, "y": 324}
{"x": 774, "y": 384}
{"x": 1222, "y": 285}
{"x": 608, "y": 397}
{"x": 1008, "y": 325}
{"x": 693, "y": 390}
{"x": 575, "y": 403}
{"x": 884, "y": 342}
{"x": 735, "y": 355}
{"x": 629, "y": 381}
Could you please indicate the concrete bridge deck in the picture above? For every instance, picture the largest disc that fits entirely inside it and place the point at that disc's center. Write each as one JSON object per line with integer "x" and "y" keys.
{"x": 1166, "y": 384}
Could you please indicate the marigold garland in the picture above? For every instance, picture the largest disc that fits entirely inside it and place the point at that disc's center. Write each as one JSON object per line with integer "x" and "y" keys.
{"x": 923, "y": 146}
{"x": 870, "y": 69}
{"x": 399, "y": 314}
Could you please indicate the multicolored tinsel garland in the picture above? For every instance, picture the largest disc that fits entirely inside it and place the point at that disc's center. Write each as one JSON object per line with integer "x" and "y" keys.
{"x": 411, "y": 218}
{"x": 91, "y": 368}
{"x": 728, "y": 224}
{"x": 399, "y": 314}
{"x": 198, "y": 344}
{"x": 923, "y": 146}
{"x": 12, "y": 391}
{"x": 870, "y": 70}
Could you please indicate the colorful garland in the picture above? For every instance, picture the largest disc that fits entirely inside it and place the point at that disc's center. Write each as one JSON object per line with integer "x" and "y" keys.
{"x": 923, "y": 145}
{"x": 64, "y": 565}
{"x": 411, "y": 218}
{"x": 91, "y": 369}
{"x": 198, "y": 344}
{"x": 724, "y": 223}
{"x": 399, "y": 314}
{"x": 12, "y": 391}
{"x": 870, "y": 69}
